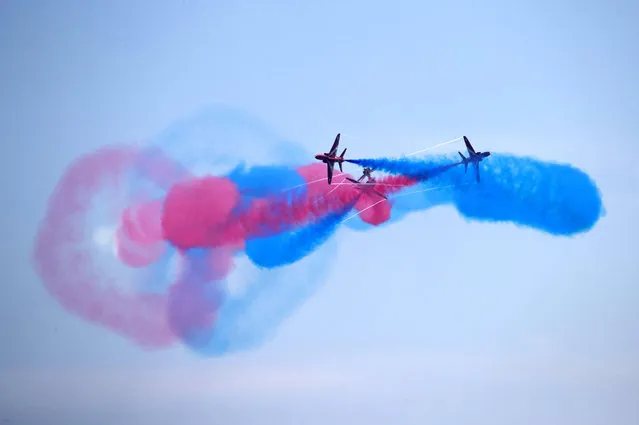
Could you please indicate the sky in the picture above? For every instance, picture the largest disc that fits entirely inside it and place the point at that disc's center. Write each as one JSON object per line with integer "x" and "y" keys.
{"x": 430, "y": 320}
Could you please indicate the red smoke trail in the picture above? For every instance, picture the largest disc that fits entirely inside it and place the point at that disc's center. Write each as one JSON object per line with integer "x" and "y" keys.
{"x": 139, "y": 239}
{"x": 66, "y": 261}
{"x": 200, "y": 212}
{"x": 374, "y": 210}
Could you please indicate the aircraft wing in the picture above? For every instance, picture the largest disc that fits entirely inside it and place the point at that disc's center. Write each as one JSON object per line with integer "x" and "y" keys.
{"x": 468, "y": 145}
{"x": 329, "y": 171}
{"x": 333, "y": 150}
{"x": 380, "y": 194}
{"x": 352, "y": 180}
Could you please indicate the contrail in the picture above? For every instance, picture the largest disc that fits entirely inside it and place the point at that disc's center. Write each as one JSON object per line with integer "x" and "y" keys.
{"x": 435, "y": 146}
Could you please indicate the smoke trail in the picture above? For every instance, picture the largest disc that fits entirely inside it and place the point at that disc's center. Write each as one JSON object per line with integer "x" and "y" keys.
{"x": 80, "y": 263}
{"x": 315, "y": 175}
{"x": 298, "y": 244}
{"x": 197, "y": 303}
{"x": 247, "y": 305}
{"x": 280, "y": 238}
{"x": 555, "y": 198}
{"x": 424, "y": 169}
{"x": 205, "y": 212}
{"x": 251, "y": 240}
{"x": 196, "y": 213}
{"x": 195, "y": 297}
{"x": 296, "y": 226}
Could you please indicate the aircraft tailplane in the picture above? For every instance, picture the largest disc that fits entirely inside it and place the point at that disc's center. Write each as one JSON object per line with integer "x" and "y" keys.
{"x": 464, "y": 161}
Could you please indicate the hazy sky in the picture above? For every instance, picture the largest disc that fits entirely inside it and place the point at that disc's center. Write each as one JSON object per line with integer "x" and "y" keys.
{"x": 458, "y": 322}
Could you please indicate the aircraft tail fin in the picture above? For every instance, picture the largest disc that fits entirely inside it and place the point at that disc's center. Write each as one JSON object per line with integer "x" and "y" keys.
{"x": 342, "y": 158}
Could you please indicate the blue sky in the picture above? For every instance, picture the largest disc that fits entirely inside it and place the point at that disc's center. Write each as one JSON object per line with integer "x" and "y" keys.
{"x": 507, "y": 325}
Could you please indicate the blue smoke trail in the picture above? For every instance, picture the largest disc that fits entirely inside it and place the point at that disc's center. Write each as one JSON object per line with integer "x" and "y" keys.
{"x": 555, "y": 198}
{"x": 295, "y": 245}
{"x": 425, "y": 169}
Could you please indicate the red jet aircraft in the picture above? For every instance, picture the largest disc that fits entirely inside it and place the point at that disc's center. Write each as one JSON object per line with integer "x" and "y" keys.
{"x": 367, "y": 173}
{"x": 330, "y": 158}
{"x": 369, "y": 186}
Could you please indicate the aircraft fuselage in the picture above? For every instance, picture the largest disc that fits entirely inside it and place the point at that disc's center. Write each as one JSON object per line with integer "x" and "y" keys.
{"x": 326, "y": 158}
{"x": 330, "y": 158}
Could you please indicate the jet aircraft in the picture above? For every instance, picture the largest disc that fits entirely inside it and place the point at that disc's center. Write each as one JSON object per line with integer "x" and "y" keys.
{"x": 369, "y": 186}
{"x": 473, "y": 157}
{"x": 330, "y": 158}
{"x": 367, "y": 173}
